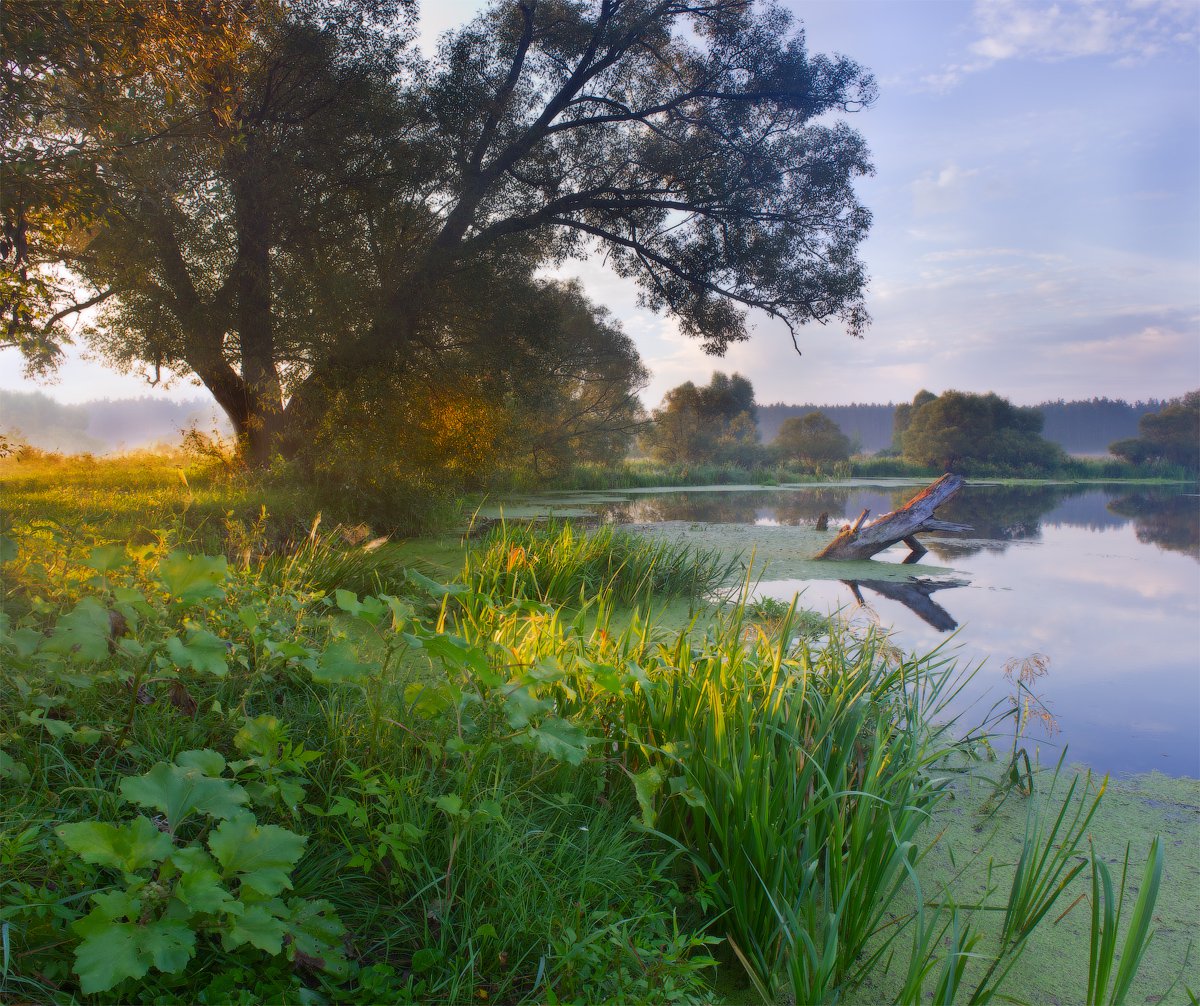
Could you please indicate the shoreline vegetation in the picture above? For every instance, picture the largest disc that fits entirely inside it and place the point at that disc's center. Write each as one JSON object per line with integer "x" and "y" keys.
{"x": 249, "y": 755}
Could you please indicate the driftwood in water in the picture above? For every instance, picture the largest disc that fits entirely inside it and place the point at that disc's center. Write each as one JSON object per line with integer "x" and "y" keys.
{"x": 914, "y": 595}
{"x": 862, "y": 540}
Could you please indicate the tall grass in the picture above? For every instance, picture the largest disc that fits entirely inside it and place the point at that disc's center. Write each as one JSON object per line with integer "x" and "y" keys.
{"x": 559, "y": 563}
{"x": 798, "y": 779}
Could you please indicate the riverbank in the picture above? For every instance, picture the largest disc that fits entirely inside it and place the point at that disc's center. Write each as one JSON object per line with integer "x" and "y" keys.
{"x": 478, "y": 770}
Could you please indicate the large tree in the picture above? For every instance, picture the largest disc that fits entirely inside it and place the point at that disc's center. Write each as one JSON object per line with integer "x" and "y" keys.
{"x": 716, "y": 422}
{"x": 1171, "y": 435}
{"x": 813, "y": 438}
{"x": 309, "y": 203}
{"x": 956, "y": 430}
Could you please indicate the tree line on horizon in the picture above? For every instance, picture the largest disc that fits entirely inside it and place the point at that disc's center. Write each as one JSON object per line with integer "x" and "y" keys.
{"x": 1086, "y": 426}
{"x": 954, "y": 431}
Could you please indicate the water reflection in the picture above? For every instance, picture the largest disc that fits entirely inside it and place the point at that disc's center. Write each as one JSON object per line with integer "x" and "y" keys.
{"x": 1000, "y": 515}
{"x": 915, "y": 595}
{"x": 1169, "y": 520}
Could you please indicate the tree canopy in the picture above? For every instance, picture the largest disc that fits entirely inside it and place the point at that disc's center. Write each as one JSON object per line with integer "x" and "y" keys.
{"x": 813, "y": 438}
{"x": 291, "y": 199}
{"x": 956, "y": 429}
{"x": 1171, "y": 435}
{"x": 709, "y": 423}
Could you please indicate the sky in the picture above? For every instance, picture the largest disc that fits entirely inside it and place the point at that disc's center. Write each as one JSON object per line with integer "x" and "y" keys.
{"x": 1036, "y": 204}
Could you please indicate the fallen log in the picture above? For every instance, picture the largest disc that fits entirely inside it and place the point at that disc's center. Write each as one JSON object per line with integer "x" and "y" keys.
{"x": 862, "y": 540}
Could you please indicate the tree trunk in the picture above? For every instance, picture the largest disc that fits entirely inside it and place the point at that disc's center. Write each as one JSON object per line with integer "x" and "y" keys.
{"x": 255, "y": 323}
{"x": 863, "y": 540}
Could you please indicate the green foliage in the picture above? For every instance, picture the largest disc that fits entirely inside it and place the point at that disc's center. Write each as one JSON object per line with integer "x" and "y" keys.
{"x": 957, "y": 431}
{"x": 495, "y": 788}
{"x": 814, "y": 439}
{"x": 1171, "y": 436}
{"x": 224, "y": 883}
{"x": 559, "y": 563}
{"x": 1106, "y": 922}
{"x": 715, "y": 423}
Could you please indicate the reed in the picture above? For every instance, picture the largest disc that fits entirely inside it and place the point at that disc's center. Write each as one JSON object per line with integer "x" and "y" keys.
{"x": 560, "y": 563}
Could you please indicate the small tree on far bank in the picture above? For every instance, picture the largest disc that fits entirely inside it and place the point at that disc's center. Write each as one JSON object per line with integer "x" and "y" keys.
{"x": 1172, "y": 435}
{"x": 714, "y": 423}
{"x": 814, "y": 439}
{"x": 956, "y": 430}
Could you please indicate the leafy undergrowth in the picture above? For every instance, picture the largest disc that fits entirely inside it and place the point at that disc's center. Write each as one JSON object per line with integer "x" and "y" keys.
{"x": 246, "y": 781}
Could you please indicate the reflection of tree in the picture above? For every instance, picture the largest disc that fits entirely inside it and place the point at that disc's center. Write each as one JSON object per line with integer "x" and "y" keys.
{"x": 1169, "y": 520}
{"x": 1000, "y": 515}
{"x": 786, "y": 507}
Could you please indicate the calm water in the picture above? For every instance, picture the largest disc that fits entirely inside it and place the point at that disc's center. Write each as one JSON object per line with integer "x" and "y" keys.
{"x": 1104, "y": 581}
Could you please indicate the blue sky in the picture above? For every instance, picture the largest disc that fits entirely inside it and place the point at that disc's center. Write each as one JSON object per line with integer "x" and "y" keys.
{"x": 1036, "y": 204}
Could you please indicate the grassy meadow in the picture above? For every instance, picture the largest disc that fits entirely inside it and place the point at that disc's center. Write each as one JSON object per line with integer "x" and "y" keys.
{"x": 248, "y": 755}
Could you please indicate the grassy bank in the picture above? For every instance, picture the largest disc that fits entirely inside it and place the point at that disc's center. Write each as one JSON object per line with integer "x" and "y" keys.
{"x": 440, "y": 772}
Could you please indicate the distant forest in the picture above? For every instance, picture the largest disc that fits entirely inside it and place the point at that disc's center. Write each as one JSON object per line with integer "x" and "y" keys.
{"x": 106, "y": 425}
{"x": 1085, "y": 427}
{"x": 102, "y": 426}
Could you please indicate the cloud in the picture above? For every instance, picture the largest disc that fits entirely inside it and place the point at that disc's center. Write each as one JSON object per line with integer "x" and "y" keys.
{"x": 1127, "y": 32}
{"x": 943, "y": 190}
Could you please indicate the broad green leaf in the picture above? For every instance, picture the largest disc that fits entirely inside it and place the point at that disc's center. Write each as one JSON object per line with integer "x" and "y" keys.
{"x": 82, "y": 634}
{"x": 193, "y": 578}
{"x": 455, "y": 652}
{"x": 560, "y": 740}
{"x": 206, "y": 761}
{"x": 431, "y": 699}
{"x": 169, "y": 944}
{"x": 8, "y": 549}
{"x": 347, "y": 600}
{"x": 249, "y": 617}
{"x": 339, "y": 665}
{"x": 260, "y": 736}
{"x": 317, "y": 932}
{"x": 433, "y": 588}
{"x": 451, "y": 805}
{"x": 260, "y": 855}
{"x": 132, "y": 600}
{"x": 425, "y": 958}
{"x": 255, "y": 926}
{"x": 108, "y": 956}
{"x": 521, "y": 706}
{"x": 38, "y": 718}
{"x": 203, "y": 652}
{"x": 179, "y": 791}
{"x": 646, "y": 785}
{"x": 109, "y": 952}
{"x": 104, "y": 558}
{"x": 129, "y": 848}
{"x": 12, "y": 769}
{"x": 201, "y": 890}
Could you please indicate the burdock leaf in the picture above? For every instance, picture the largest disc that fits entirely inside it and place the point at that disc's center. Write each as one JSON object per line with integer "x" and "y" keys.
{"x": 82, "y": 633}
{"x": 128, "y": 848}
{"x": 339, "y": 665}
{"x": 179, "y": 791}
{"x": 203, "y": 652}
{"x": 260, "y": 855}
{"x": 646, "y": 785}
{"x": 560, "y": 740}
{"x": 104, "y": 558}
{"x": 193, "y": 578}
{"x": 255, "y": 926}
{"x": 109, "y": 956}
{"x": 169, "y": 944}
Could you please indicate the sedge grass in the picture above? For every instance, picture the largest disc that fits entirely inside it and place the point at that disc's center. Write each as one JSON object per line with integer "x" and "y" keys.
{"x": 558, "y": 563}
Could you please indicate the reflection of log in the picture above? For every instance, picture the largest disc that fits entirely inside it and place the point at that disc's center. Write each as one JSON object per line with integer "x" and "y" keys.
{"x": 914, "y": 595}
{"x": 861, "y": 541}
